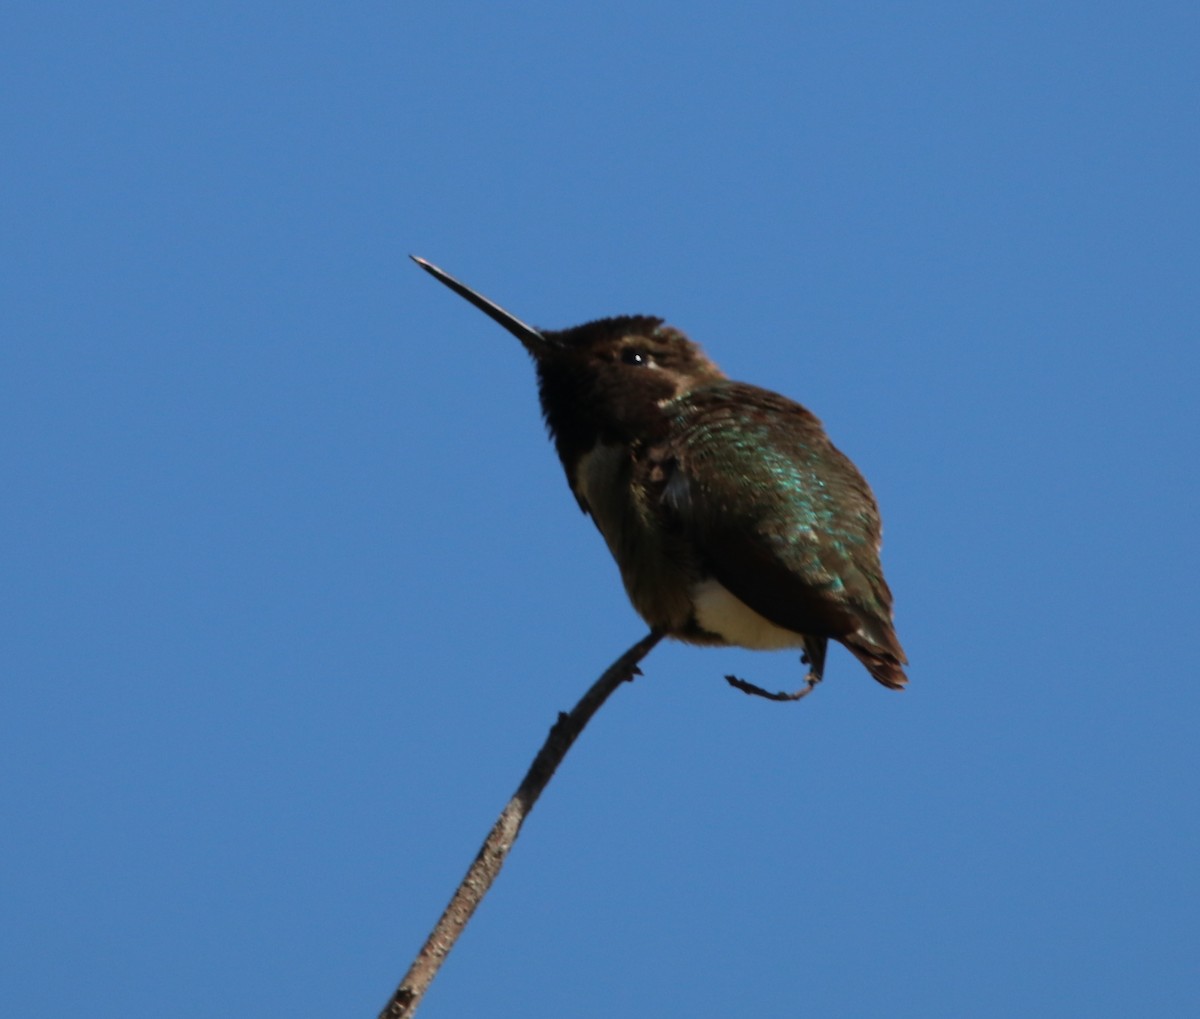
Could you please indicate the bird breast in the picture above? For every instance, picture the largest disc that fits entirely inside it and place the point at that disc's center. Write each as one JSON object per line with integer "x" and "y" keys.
{"x": 657, "y": 568}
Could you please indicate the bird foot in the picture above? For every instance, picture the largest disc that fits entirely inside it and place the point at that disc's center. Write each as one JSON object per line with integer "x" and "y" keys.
{"x": 810, "y": 684}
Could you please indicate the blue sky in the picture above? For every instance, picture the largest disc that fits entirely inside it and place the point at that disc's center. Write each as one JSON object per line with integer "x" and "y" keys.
{"x": 293, "y": 585}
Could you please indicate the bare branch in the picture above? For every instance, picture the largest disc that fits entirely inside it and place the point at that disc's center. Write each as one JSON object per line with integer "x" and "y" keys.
{"x": 504, "y": 832}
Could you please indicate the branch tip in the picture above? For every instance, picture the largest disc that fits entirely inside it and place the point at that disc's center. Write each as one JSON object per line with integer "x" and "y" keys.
{"x": 504, "y": 832}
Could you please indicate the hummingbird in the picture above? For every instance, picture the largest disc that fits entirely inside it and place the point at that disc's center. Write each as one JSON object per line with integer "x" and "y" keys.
{"x": 732, "y": 517}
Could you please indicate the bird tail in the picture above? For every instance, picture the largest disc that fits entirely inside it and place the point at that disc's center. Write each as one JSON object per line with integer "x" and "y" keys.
{"x": 880, "y": 651}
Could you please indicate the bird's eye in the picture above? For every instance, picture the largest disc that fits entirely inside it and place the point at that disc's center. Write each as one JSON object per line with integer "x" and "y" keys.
{"x": 632, "y": 355}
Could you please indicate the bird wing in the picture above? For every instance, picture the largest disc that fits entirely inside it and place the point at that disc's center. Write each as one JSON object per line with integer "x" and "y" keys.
{"x": 782, "y": 519}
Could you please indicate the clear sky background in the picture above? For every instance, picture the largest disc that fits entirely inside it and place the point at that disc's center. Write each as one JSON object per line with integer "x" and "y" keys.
{"x": 292, "y": 586}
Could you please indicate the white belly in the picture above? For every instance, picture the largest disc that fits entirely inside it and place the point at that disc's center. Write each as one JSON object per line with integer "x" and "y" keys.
{"x": 729, "y": 617}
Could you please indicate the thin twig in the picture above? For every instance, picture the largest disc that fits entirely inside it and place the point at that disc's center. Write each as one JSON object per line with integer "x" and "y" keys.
{"x": 504, "y": 832}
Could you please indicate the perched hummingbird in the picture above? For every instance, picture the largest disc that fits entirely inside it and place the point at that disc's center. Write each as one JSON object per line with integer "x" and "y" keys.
{"x": 731, "y": 515}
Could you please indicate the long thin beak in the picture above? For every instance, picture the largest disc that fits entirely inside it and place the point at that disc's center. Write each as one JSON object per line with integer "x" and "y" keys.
{"x": 530, "y": 338}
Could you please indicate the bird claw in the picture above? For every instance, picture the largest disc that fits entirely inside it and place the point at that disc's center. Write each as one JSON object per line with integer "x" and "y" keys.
{"x": 811, "y": 682}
